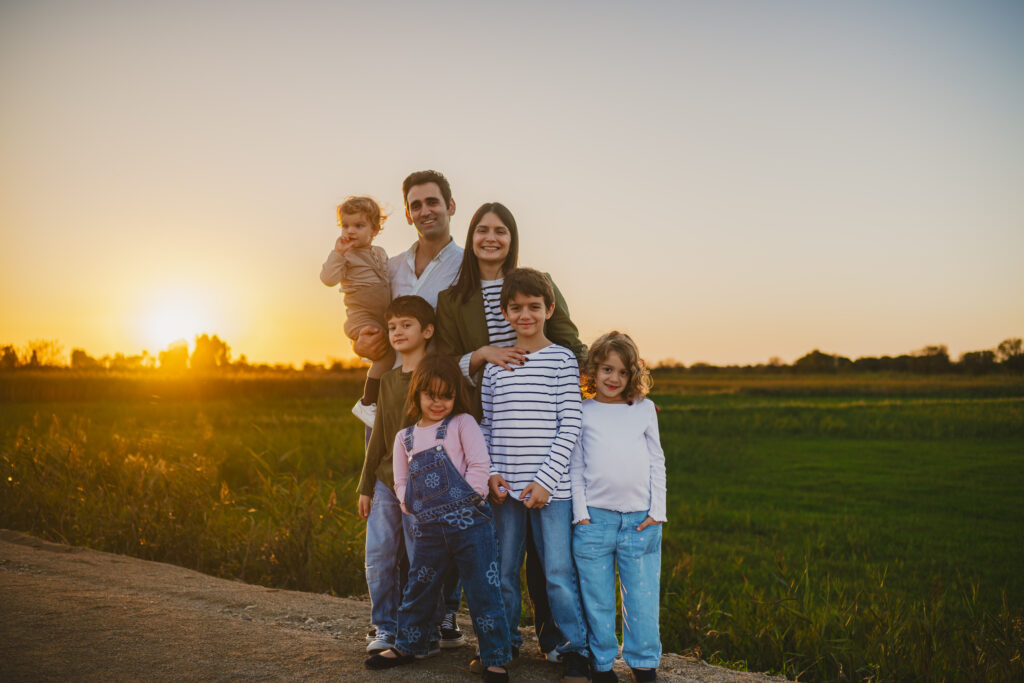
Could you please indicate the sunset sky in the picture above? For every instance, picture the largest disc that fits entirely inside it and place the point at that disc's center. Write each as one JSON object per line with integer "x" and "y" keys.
{"x": 727, "y": 181}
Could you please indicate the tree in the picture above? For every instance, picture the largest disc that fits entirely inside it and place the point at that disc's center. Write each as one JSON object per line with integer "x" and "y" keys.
{"x": 175, "y": 356}
{"x": 978, "y": 362}
{"x": 8, "y": 357}
{"x": 816, "y": 361}
{"x": 1011, "y": 354}
{"x": 45, "y": 353}
{"x": 210, "y": 353}
{"x": 80, "y": 360}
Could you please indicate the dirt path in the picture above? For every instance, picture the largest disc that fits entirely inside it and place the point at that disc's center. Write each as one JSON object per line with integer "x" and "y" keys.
{"x": 76, "y": 614}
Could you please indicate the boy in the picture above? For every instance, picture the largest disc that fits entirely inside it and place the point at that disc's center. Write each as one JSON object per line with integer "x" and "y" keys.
{"x": 531, "y": 420}
{"x": 410, "y": 321}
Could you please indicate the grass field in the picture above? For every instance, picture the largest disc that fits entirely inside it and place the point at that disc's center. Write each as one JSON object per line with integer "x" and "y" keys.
{"x": 830, "y": 528}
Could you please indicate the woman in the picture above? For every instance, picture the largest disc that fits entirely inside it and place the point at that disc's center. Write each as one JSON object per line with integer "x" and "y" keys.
{"x": 470, "y": 327}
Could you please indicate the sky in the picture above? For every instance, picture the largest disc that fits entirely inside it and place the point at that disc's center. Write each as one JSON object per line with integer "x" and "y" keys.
{"x": 727, "y": 182}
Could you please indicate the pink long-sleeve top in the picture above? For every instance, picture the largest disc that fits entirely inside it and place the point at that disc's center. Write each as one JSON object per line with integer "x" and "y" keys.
{"x": 464, "y": 443}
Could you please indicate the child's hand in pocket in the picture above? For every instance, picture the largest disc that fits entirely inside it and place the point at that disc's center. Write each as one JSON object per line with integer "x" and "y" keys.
{"x": 646, "y": 523}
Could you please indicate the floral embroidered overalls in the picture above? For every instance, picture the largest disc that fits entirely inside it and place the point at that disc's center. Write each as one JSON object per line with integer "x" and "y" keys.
{"x": 453, "y": 524}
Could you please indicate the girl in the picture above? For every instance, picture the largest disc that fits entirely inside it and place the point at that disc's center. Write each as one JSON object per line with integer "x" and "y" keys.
{"x": 441, "y": 469}
{"x": 362, "y": 270}
{"x": 618, "y": 492}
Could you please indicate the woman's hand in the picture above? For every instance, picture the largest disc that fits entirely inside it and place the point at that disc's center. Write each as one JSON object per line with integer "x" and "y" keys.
{"x": 506, "y": 356}
{"x": 499, "y": 489}
{"x": 646, "y": 523}
{"x": 371, "y": 343}
{"x": 364, "y": 506}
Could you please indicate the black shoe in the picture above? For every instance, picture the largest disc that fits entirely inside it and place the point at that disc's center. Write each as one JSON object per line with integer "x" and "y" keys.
{"x": 476, "y": 666}
{"x": 451, "y": 634}
{"x": 379, "y": 661}
{"x": 644, "y": 675}
{"x": 575, "y": 668}
{"x": 495, "y": 676}
{"x": 608, "y": 676}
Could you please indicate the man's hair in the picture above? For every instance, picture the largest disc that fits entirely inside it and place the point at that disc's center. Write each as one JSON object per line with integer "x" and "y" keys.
{"x": 639, "y": 384}
{"x": 411, "y": 306}
{"x": 422, "y": 178}
{"x": 468, "y": 281}
{"x": 437, "y": 374}
{"x": 529, "y": 282}
{"x": 366, "y": 206}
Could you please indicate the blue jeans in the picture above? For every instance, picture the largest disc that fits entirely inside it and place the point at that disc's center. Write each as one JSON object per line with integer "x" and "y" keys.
{"x": 611, "y": 539}
{"x": 552, "y": 534}
{"x": 469, "y": 541}
{"x": 387, "y": 538}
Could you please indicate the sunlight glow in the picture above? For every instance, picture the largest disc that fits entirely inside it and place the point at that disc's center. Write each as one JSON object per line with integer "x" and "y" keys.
{"x": 175, "y": 317}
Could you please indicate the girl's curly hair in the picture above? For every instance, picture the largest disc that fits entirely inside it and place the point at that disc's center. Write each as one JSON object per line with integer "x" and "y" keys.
{"x": 640, "y": 381}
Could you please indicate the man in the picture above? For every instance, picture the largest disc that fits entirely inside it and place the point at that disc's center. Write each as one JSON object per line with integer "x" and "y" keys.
{"x": 432, "y": 262}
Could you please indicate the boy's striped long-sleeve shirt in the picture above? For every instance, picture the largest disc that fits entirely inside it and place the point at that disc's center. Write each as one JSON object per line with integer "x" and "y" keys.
{"x": 532, "y": 419}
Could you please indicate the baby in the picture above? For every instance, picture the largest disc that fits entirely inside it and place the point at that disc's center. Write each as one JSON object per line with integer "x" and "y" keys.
{"x": 362, "y": 270}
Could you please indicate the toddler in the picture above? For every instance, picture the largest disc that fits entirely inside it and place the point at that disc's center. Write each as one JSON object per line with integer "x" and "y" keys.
{"x": 362, "y": 270}
{"x": 618, "y": 495}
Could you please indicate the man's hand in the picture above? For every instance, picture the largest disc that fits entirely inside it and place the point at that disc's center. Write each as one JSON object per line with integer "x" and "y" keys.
{"x": 364, "y": 506}
{"x": 535, "y": 495}
{"x": 371, "y": 343}
{"x": 499, "y": 489}
{"x": 646, "y": 523}
{"x": 584, "y": 521}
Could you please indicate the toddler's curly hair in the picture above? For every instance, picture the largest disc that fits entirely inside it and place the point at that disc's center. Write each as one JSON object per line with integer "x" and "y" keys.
{"x": 640, "y": 381}
{"x": 367, "y": 206}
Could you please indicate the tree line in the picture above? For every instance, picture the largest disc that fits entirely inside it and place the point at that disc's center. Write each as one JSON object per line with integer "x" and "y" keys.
{"x": 211, "y": 354}
{"x": 1008, "y": 356}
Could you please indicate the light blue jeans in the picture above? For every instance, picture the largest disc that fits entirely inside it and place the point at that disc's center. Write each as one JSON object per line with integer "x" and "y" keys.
{"x": 387, "y": 537}
{"x": 611, "y": 539}
{"x": 552, "y": 534}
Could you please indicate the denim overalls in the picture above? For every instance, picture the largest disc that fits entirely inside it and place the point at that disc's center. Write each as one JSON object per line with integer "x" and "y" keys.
{"x": 453, "y": 523}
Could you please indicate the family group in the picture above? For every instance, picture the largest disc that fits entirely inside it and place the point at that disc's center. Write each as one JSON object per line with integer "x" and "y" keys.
{"x": 482, "y": 454}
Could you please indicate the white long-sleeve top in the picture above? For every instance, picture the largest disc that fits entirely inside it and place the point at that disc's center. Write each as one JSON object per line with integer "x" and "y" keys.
{"x": 618, "y": 463}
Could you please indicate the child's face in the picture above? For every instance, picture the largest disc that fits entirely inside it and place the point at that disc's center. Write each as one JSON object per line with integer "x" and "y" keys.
{"x": 491, "y": 240}
{"x": 526, "y": 314}
{"x": 357, "y": 230}
{"x": 406, "y": 334}
{"x": 612, "y": 378}
{"x": 435, "y": 405}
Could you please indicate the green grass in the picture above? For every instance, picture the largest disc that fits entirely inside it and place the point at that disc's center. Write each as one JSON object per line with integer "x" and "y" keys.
{"x": 818, "y": 527}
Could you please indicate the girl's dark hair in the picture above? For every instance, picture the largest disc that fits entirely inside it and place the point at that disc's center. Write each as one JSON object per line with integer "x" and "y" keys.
{"x": 468, "y": 281}
{"x": 436, "y": 374}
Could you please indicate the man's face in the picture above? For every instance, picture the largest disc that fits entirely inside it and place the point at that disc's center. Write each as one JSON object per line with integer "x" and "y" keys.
{"x": 426, "y": 209}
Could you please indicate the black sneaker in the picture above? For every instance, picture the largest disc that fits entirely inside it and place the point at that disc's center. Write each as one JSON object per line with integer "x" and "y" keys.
{"x": 371, "y": 635}
{"x": 575, "y": 668}
{"x": 644, "y": 675}
{"x": 608, "y": 676}
{"x": 451, "y": 634}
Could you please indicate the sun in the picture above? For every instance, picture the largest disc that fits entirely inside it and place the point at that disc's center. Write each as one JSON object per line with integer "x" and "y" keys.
{"x": 172, "y": 318}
